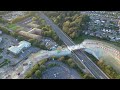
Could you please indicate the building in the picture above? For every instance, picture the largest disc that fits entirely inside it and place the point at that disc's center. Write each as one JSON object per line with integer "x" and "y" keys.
{"x": 50, "y": 44}
{"x": 17, "y": 49}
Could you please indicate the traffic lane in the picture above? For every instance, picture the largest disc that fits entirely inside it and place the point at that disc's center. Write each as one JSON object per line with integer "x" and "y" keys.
{"x": 89, "y": 66}
{"x": 93, "y": 64}
{"x": 93, "y": 72}
{"x": 92, "y": 67}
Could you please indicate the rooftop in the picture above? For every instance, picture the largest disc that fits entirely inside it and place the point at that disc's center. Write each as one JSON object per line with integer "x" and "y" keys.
{"x": 20, "y": 47}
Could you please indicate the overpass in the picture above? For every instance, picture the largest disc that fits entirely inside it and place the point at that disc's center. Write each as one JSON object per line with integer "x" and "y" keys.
{"x": 22, "y": 68}
{"x": 79, "y": 54}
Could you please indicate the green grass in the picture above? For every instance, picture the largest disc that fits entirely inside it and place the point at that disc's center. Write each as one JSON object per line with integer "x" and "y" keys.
{"x": 12, "y": 26}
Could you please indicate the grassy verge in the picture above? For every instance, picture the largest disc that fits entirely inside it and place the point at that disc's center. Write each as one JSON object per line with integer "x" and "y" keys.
{"x": 107, "y": 69}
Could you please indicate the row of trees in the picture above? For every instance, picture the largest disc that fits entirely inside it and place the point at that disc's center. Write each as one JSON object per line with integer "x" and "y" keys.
{"x": 37, "y": 70}
{"x": 71, "y": 22}
{"x": 108, "y": 70}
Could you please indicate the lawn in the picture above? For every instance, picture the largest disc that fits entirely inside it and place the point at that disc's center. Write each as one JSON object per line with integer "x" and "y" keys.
{"x": 13, "y": 26}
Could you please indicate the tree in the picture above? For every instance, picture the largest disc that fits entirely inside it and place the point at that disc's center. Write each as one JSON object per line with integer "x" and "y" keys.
{"x": 85, "y": 76}
{"x": 72, "y": 65}
{"x": 118, "y": 77}
{"x": 35, "y": 67}
{"x": 20, "y": 38}
{"x": 73, "y": 35}
{"x": 45, "y": 28}
{"x": 31, "y": 40}
{"x": 28, "y": 74}
{"x": 42, "y": 68}
{"x": 43, "y": 21}
{"x": 75, "y": 16}
{"x": 42, "y": 62}
{"x": 66, "y": 24}
{"x": 70, "y": 61}
{"x": 61, "y": 58}
{"x": 55, "y": 38}
{"x": 38, "y": 74}
{"x": 34, "y": 18}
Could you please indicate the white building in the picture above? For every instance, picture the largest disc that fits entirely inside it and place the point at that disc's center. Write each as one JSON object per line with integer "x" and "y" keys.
{"x": 17, "y": 49}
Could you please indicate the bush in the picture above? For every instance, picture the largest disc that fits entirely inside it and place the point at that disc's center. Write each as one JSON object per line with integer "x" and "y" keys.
{"x": 72, "y": 65}
{"x": 52, "y": 65}
{"x": 42, "y": 68}
{"x": 69, "y": 61}
{"x": 61, "y": 58}
{"x": 38, "y": 74}
{"x": 42, "y": 62}
{"x": 35, "y": 67}
{"x": 28, "y": 74}
{"x": 5, "y": 30}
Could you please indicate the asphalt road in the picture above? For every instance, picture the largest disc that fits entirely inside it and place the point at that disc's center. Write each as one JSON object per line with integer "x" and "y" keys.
{"x": 92, "y": 68}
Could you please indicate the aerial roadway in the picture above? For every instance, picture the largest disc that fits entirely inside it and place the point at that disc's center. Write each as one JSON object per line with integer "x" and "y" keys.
{"x": 79, "y": 54}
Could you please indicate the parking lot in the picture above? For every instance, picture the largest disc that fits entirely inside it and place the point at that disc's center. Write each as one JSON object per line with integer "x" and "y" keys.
{"x": 61, "y": 71}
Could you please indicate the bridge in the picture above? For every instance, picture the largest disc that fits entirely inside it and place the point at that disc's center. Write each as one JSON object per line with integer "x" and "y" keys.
{"x": 90, "y": 46}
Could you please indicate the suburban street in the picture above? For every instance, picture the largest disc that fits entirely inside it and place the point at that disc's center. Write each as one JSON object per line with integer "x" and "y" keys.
{"x": 92, "y": 68}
